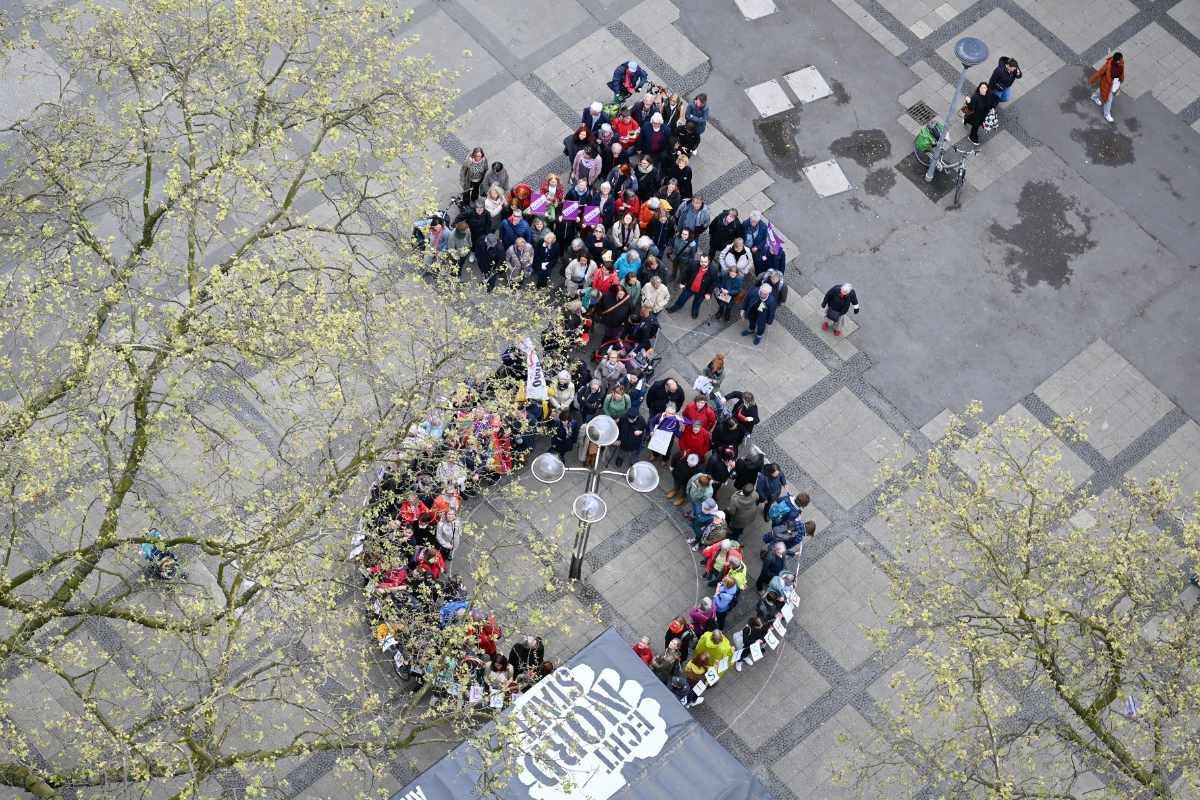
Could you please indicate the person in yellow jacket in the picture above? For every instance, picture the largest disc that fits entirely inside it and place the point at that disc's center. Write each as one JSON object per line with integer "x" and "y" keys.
{"x": 716, "y": 646}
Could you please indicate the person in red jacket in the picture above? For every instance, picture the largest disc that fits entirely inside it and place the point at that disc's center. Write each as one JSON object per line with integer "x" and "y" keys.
{"x": 695, "y": 439}
{"x": 643, "y": 650}
{"x": 627, "y": 129}
{"x": 699, "y": 409}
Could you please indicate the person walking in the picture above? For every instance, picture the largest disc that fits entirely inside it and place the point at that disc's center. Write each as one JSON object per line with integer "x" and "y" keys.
{"x": 1003, "y": 77}
{"x": 977, "y": 108}
{"x": 759, "y": 311}
{"x": 1108, "y": 80}
{"x": 837, "y": 301}
{"x": 695, "y": 284}
{"x": 471, "y": 176}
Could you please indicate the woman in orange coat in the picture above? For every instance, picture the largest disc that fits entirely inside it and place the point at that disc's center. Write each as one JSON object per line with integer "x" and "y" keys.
{"x": 1110, "y": 76}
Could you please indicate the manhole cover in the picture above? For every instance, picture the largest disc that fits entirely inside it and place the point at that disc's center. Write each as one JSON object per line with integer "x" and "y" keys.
{"x": 921, "y": 113}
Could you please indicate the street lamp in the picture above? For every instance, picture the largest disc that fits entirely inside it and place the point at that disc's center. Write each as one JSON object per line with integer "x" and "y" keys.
{"x": 589, "y": 507}
{"x": 970, "y": 52}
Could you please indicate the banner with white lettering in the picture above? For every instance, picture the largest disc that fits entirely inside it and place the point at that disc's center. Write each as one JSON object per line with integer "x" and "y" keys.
{"x": 535, "y": 378}
{"x": 601, "y": 727}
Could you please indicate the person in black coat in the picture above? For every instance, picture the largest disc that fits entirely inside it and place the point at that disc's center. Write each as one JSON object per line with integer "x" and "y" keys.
{"x": 679, "y": 169}
{"x": 837, "y": 301}
{"x": 590, "y": 399}
{"x": 662, "y": 392}
{"x": 642, "y": 327}
{"x": 759, "y": 311}
{"x": 631, "y": 430}
{"x": 564, "y": 434}
{"x": 687, "y": 139}
{"x": 696, "y": 284}
{"x": 723, "y": 231}
{"x": 983, "y": 101}
{"x": 719, "y": 466}
{"x": 593, "y": 117}
{"x": 774, "y": 279}
{"x": 492, "y": 261}
{"x": 728, "y": 434}
{"x": 742, "y": 410}
{"x": 545, "y": 257}
{"x": 1003, "y": 77}
{"x": 747, "y": 468}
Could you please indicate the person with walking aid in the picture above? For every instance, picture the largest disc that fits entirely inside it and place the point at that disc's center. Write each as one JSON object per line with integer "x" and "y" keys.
{"x": 1108, "y": 80}
{"x": 838, "y": 300}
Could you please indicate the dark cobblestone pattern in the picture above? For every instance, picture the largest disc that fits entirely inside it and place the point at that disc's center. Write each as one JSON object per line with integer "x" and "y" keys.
{"x": 647, "y": 57}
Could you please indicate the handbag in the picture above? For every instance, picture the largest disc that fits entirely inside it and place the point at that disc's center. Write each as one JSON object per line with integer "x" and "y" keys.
{"x": 992, "y": 121}
{"x": 966, "y": 109}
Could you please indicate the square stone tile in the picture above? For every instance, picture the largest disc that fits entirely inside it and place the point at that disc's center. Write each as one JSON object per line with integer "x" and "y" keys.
{"x": 1076, "y": 21}
{"x": 716, "y": 156}
{"x": 755, "y": 9}
{"x": 842, "y": 594}
{"x": 1001, "y": 155}
{"x": 936, "y": 428}
{"x": 827, "y": 178}
{"x": 1115, "y": 402}
{"x": 652, "y": 21}
{"x": 519, "y": 33}
{"x": 566, "y": 627}
{"x": 808, "y": 309}
{"x": 778, "y": 370}
{"x": 1187, "y": 13}
{"x": 1165, "y": 67}
{"x": 842, "y": 444}
{"x": 1070, "y": 463}
{"x": 524, "y": 141}
{"x": 452, "y": 48}
{"x": 769, "y": 98}
{"x": 1180, "y": 455}
{"x": 768, "y": 704}
{"x": 808, "y": 84}
{"x": 1005, "y": 36}
{"x": 578, "y": 75}
{"x": 809, "y": 768}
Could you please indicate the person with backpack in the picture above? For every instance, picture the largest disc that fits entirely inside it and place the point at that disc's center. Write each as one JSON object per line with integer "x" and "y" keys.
{"x": 769, "y": 486}
{"x": 787, "y": 508}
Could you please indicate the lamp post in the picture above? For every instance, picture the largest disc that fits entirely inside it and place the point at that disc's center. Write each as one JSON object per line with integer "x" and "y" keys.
{"x": 589, "y": 507}
{"x": 970, "y": 52}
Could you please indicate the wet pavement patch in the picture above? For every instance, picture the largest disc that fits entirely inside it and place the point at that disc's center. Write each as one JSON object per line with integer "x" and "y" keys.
{"x": 1045, "y": 239}
{"x": 778, "y": 138}
{"x": 863, "y": 147}
{"x": 840, "y": 95}
{"x": 1166, "y": 181}
{"x": 1105, "y": 146}
{"x": 941, "y": 185}
{"x": 880, "y": 181}
{"x": 1079, "y": 102}
{"x": 1133, "y": 123}
{"x": 858, "y": 205}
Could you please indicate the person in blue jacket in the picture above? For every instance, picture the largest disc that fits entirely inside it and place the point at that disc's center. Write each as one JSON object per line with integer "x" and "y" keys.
{"x": 754, "y": 234}
{"x": 513, "y": 228}
{"x": 627, "y": 79}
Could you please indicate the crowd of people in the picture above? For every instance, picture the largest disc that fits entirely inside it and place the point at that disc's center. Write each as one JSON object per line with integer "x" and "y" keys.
{"x": 636, "y": 235}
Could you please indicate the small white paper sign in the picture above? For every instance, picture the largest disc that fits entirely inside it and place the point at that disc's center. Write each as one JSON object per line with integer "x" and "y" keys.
{"x": 454, "y": 690}
{"x": 699, "y": 688}
{"x": 724, "y": 665}
{"x": 778, "y": 627}
{"x": 355, "y": 552}
{"x": 772, "y": 640}
{"x": 387, "y": 644}
{"x": 497, "y": 700}
{"x": 788, "y": 612}
{"x": 398, "y": 660}
{"x": 712, "y": 676}
{"x": 476, "y": 693}
{"x": 738, "y": 641}
{"x": 792, "y": 598}
{"x": 756, "y": 652}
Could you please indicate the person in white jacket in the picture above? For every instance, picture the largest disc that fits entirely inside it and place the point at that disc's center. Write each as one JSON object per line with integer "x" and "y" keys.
{"x": 562, "y": 393}
{"x": 449, "y": 534}
{"x": 656, "y": 294}
{"x": 737, "y": 255}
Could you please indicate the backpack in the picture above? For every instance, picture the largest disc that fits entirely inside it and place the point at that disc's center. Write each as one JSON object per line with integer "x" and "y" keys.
{"x": 783, "y": 510}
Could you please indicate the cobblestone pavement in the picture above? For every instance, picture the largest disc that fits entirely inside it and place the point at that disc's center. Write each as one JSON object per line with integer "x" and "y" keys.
{"x": 1083, "y": 300}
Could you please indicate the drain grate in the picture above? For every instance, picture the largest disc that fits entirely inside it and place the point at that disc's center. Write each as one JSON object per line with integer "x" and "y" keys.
{"x": 922, "y": 113}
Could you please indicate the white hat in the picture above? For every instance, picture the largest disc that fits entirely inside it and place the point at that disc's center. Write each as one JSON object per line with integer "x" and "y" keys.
{"x": 564, "y": 376}
{"x": 652, "y": 202}
{"x": 597, "y": 107}
{"x": 656, "y": 118}
{"x": 756, "y": 215}
{"x": 632, "y": 65}
{"x": 693, "y": 459}
{"x": 847, "y": 288}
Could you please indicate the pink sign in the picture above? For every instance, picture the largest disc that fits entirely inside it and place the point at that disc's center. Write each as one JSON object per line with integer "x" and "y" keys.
{"x": 591, "y": 215}
{"x": 539, "y": 204}
{"x": 570, "y": 210}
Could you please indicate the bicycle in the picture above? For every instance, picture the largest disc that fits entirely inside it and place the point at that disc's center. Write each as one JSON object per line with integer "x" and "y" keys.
{"x": 160, "y": 564}
{"x": 923, "y": 156}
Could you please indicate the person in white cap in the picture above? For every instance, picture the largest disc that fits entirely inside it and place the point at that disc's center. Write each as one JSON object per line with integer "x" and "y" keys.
{"x": 838, "y": 300}
{"x": 627, "y": 79}
{"x": 594, "y": 116}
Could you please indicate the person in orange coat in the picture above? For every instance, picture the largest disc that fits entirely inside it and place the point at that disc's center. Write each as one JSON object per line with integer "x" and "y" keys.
{"x": 1110, "y": 76}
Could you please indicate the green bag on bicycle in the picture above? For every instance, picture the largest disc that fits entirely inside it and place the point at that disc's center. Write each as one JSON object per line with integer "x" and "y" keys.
{"x": 926, "y": 139}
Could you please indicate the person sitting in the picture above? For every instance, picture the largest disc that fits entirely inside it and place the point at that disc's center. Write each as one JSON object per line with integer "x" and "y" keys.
{"x": 627, "y": 79}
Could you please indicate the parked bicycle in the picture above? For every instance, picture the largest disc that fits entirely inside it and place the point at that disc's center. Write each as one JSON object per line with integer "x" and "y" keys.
{"x": 924, "y": 146}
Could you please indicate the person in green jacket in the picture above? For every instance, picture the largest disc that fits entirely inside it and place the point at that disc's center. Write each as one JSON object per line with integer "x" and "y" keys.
{"x": 716, "y": 646}
{"x": 616, "y": 404}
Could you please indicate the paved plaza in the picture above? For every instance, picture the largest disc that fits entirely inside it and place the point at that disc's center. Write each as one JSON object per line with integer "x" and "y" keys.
{"x": 1067, "y": 283}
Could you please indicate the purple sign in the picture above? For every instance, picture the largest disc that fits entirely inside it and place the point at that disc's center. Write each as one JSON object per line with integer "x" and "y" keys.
{"x": 591, "y": 215}
{"x": 539, "y": 204}
{"x": 570, "y": 210}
